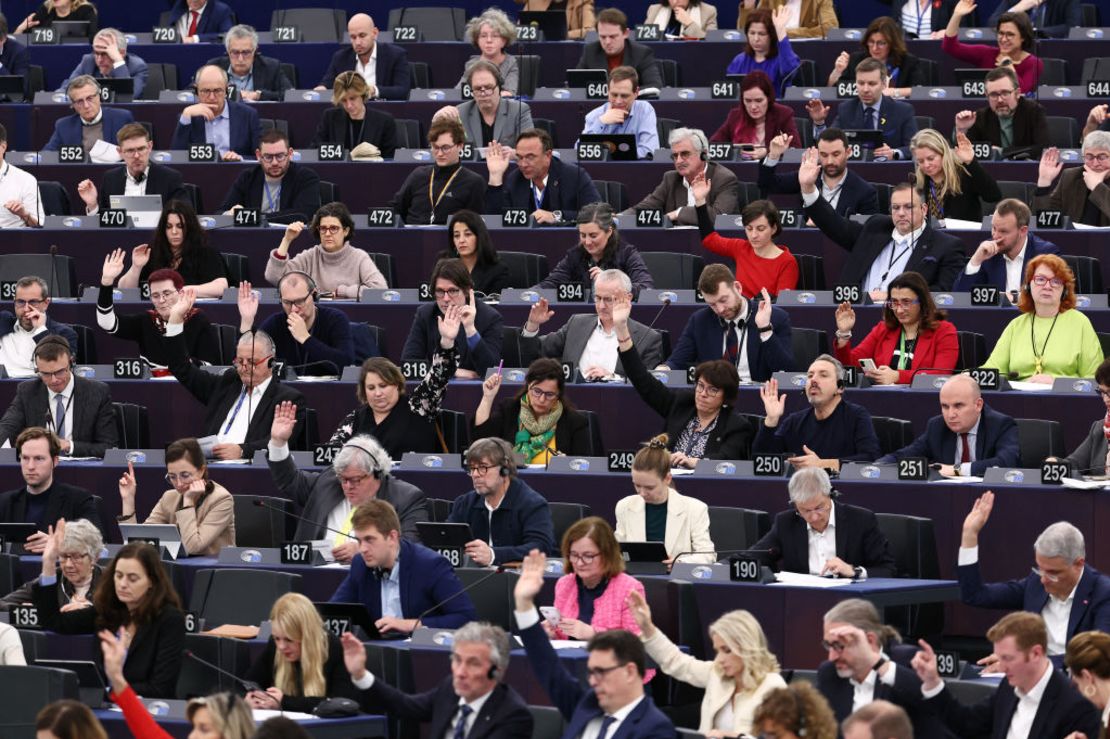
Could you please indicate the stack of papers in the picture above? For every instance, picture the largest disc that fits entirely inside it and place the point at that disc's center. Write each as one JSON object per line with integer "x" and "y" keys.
{"x": 810, "y": 581}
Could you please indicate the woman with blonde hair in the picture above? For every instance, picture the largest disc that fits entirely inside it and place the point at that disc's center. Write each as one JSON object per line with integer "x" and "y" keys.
{"x": 350, "y": 122}
{"x": 735, "y": 681}
{"x": 1088, "y": 661}
{"x": 302, "y": 664}
{"x": 954, "y": 183}
{"x": 60, "y": 10}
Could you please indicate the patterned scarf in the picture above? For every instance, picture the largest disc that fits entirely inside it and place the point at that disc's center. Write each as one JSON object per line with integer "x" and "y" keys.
{"x": 535, "y": 434}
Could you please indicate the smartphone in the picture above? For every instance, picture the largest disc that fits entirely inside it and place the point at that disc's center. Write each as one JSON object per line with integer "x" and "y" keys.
{"x": 868, "y": 364}
{"x": 747, "y": 147}
{"x": 551, "y": 613}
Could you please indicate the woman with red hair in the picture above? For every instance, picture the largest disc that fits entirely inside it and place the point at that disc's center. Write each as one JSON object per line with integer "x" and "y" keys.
{"x": 757, "y": 119}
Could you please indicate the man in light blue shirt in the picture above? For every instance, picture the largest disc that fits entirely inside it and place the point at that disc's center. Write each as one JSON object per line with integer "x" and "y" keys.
{"x": 625, "y": 114}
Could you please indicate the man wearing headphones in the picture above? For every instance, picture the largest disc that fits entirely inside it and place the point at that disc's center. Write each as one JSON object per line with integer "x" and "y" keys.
{"x": 358, "y": 474}
{"x": 488, "y": 117}
{"x": 21, "y": 331}
{"x": 403, "y": 584}
{"x": 690, "y": 153}
{"x": 305, "y": 333}
{"x": 473, "y": 701}
{"x": 76, "y": 409}
{"x": 831, "y": 430}
{"x": 507, "y": 517}
{"x": 90, "y": 122}
{"x": 821, "y": 536}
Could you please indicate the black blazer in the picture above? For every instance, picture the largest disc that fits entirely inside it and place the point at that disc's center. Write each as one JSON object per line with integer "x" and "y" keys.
{"x": 976, "y": 187}
{"x": 1030, "y": 127}
{"x": 336, "y": 677}
{"x": 858, "y": 542}
{"x": 266, "y": 75}
{"x": 155, "y": 655}
{"x": 937, "y": 256}
{"x": 911, "y": 73}
{"x": 490, "y": 278}
{"x": 94, "y": 422}
{"x": 569, "y": 187}
{"x": 636, "y": 55}
{"x": 731, "y": 439}
{"x": 392, "y": 70}
{"x": 906, "y": 692}
{"x": 161, "y": 180}
{"x": 63, "y": 501}
{"x": 300, "y": 192}
{"x": 219, "y": 392}
{"x": 504, "y": 715}
{"x": 379, "y": 129}
{"x": 423, "y": 338}
{"x": 572, "y": 432}
{"x": 1061, "y": 711}
{"x": 857, "y": 195}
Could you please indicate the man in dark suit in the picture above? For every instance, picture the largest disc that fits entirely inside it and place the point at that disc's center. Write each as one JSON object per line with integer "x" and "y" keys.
{"x": 587, "y": 340}
{"x": 1081, "y": 193}
{"x": 233, "y": 128}
{"x": 967, "y": 437}
{"x": 762, "y": 343}
{"x": 1001, "y": 260}
{"x": 1025, "y": 133}
{"x": 547, "y": 187}
{"x": 255, "y": 76}
{"x": 23, "y": 329}
{"x": 614, "y": 48}
{"x": 277, "y": 187}
{"x": 615, "y": 706}
{"x": 1033, "y": 702}
{"x": 883, "y": 247}
{"x": 240, "y": 402}
{"x": 110, "y": 59}
{"x": 14, "y": 58}
{"x": 847, "y": 192}
{"x": 90, "y": 122}
{"x": 358, "y": 474}
{"x": 1068, "y": 593}
{"x": 403, "y": 585}
{"x": 473, "y": 701}
{"x": 384, "y": 66}
{"x": 42, "y": 500}
{"x": 1050, "y": 18}
{"x": 77, "y": 409}
{"x": 200, "y": 20}
{"x": 689, "y": 150}
{"x": 137, "y": 176}
{"x": 821, "y": 536}
{"x": 507, "y": 517}
{"x": 871, "y": 110}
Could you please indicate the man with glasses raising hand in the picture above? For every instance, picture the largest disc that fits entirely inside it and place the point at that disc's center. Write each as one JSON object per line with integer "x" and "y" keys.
{"x": 233, "y": 128}
{"x": 1011, "y": 122}
{"x": 276, "y": 187}
{"x": 1081, "y": 192}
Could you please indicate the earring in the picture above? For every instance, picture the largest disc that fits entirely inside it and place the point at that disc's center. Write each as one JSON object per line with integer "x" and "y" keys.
{"x": 1089, "y": 691}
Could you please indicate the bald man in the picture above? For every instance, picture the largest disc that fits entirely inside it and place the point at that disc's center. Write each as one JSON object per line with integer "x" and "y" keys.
{"x": 967, "y": 437}
{"x": 385, "y": 67}
{"x": 233, "y": 128}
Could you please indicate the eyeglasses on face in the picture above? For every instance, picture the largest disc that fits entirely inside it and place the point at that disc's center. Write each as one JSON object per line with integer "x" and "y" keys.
{"x": 597, "y": 673}
{"x": 185, "y": 477}
{"x": 902, "y": 302}
{"x": 243, "y": 362}
{"x": 73, "y": 556}
{"x": 479, "y": 469}
{"x": 279, "y": 157}
{"x": 36, "y": 303}
{"x": 1047, "y": 577}
{"x": 241, "y": 54}
{"x": 583, "y": 558}
{"x": 451, "y": 292}
{"x": 296, "y": 303}
{"x": 351, "y": 482}
{"x": 832, "y": 646}
{"x": 211, "y": 92}
{"x": 483, "y": 89}
{"x": 87, "y": 100}
{"x": 703, "y": 388}
{"x": 538, "y": 394}
{"x": 162, "y": 296}
{"x": 1000, "y": 94}
{"x": 445, "y": 149}
{"x": 330, "y": 229}
{"x": 1041, "y": 281}
{"x": 55, "y": 375}
{"x": 1100, "y": 158}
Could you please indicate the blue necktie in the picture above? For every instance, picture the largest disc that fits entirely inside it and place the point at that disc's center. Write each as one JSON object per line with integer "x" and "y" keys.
{"x": 869, "y": 119}
{"x": 460, "y": 727}
{"x": 605, "y": 724}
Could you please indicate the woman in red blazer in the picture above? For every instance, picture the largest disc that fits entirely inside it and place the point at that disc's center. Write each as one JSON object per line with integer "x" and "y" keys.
{"x": 913, "y": 335}
{"x": 758, "y": 118}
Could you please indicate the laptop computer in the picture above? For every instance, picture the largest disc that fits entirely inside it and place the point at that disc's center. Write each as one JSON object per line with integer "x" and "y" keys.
{"x": 144, "y": 210}
{"x": 551, "y": 23}
{"x": 14, "y": 535}
{"x": 167, "y": 535}
{"x": 71, "y": 29}
{"x": 92, "y": 688}
{"x": 123, "y": 88}
{"x": 644, "y": 557}
{"x": 349, "y": 617}
{"x": 867, "y": 138}
{"x": 621, "y": 146}
{"x": 586, "y": 77}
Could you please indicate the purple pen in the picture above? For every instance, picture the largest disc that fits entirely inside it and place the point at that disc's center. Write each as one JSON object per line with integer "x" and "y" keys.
{"x": 499, "y": 366}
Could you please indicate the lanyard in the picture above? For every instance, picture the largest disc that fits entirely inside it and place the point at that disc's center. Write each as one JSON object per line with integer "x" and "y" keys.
{"x": 893, "y": 258}
{"x": 904, "y": 359}
{"x": 1039, "y": 356}
{"x": 273, "y": 197}
{"x": 431, "y": 189}
{"x": 235, "y": 411}
{"x": 537, "y": 194}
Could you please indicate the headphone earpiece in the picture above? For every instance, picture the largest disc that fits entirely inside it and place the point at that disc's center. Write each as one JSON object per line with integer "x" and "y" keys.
{"x": 53, "y": 340}
{"x": 492, "y": 674}
{"x": 704, "y": 155}
{"x": 504, "y": 471}
{"x": 375, "y": 470}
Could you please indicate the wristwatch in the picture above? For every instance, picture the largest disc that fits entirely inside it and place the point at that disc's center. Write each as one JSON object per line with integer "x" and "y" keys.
{"x": 859, "y": 574}
{"x": 768, "y": 327}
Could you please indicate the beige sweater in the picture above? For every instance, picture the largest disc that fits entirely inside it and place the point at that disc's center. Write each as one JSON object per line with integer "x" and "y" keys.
{"x": 203, "y": 532}
{"x": 342, "y": 272}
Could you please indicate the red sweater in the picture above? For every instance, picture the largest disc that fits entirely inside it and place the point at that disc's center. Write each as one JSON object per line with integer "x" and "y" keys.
{"x": 753, "y": 271}
{"x": 937, "y": 349}
{"x": 1028, "y": 71}
{"x": 139, "y": 720}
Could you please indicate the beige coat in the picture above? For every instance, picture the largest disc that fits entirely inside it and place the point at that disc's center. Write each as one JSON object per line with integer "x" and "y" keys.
{"x": 719, "y": 690}
{"x": 203, "y": 532}
{"x": 703, "y": 17}
{"x": 580, "y": 15}
{"x": 814, "y": 20}
{"x": 687, "y": 526}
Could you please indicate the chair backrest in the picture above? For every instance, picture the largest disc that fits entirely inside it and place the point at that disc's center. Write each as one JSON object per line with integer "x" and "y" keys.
{"x": 1055, "y": 71}
{"x": 132, "y": 425}
{"x": 61, "y": 276}
{"x": 155, "y": 82}
{"x": 261, "y": 526}
{"x": 597, "y": 445}
{"x": 26, "y": 690}
{"x": 1090, "y": 15}
{"x": 932, "y": 76}
{"x": 11, "y": 576}
{"x": 547, "y": 722}
{"x": 546, "y": 124}
{"x": 811, "y": 271}
{"x": 421, "y": 75}
{"x": 237, "y": 266}
{"x": 613, "y": 192}
{"x": 55, "y": 199}
{"x": 317, "y": 25}
{"x": 291, "y": 74}
{"x": 525, "y": 269}
{"x": 384, "y": 262}
{"x": 1104, "y": 342}
{"x": 806, "y": 74}
{"x": 808, "y": 343}
{"x": 510, "y": 346}
{"x": 1039, "y": 438}
{"x": 196, "y": 198}
{"x": 563, "y": 515}
{"x": 195, "y": 679}
{"x": 883, "y": 190}
{"x": 439, "y": 509}
{"x": 805, "y": 130}
{"x": 664, "y": 126}
{"x": 673, "y": 270}
{"x": 970, "y": 692}
{"x": 34, "y": 645}
{"x": 893, "y": 433}
{"x": 280, "y": 124}
{"x": 329, "y": 192}
{"x": 36, "y": 77}
{"x": 362, "y": 336}
{"x": 973, "y": 350}
{"x": 737, "y": 528}
{"x": 227, "y": 337}
{"x": 1013, "y": 189}
{"x": 1063, "y": 132}
{"x": 529, "y": 75}
{"x": 408, "y": 130}
{"x": 671, "y": 73}
{"x": 492, "y": 597}
{"x": 86, "y": 344}
{"x": 310, "y": 433}
{"x": 239, "y": 596}
{"x": 434, "y": 24}
{"x": 913, "y": 544}
{"x": 747, "y": 192}
{"x": 925, "y": 121}
{"x": 1088, "y": 273}
{"x": 456, "y": 430}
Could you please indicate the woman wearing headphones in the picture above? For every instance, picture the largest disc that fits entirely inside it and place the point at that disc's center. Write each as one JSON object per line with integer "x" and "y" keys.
{"x": 302, "y": 663}
{"x": 795, "y": 712}
{"x": 913, "y": 337}
{"x": 1051, "y": 338}
{"x": 338, "y": 268}
{"x": 599, "y": 248}
{"x": 488, "y": 116}
{"x": 202, "y": 510}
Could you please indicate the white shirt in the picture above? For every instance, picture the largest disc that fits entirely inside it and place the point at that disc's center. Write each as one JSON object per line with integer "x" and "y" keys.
{"x": 131, "y": 188}
{"x": 17, "y": 184}
{"x": 742, "y": 367}
{"x": 1056, "y": 613}
{"x": 892, "y": 260}
{"x": 237, "y": 433}
{"x": 965, "y": 469}
{"x": 391, "y": 591}
{"x": 600, "y": 351}
{"x": 52, "y": 406}
{"x": 11, "y": 646}
{"x": 489, "y": 514}
{"x": 16, "y": 349}
{"x": 1022, "y": 722}
{"x": 186, "y": 20}
{"x": 863, "y": 693}
{"x": 822, "y": 545}
{"x": 593, "y": 727}
{"x": 793, "y": 13}
{"x": 1014, "y": 271}
{"x": 917, "y": 20}
{"x": 369, "y": 71}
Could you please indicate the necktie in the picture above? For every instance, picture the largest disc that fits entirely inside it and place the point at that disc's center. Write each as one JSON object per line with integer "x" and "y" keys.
{"x": 460, "y": 727}
{"x": 194, "y": 16}
{"x": 732, "y": 343}
{"x": 60, "y": 416}
{"x": 869, "y": 118}
{"x": 965, "y": 450}
{"x": 605, "y": 724}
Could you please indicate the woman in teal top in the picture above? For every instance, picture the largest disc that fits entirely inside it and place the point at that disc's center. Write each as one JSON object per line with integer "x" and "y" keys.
{"x": 1050, "y": 339}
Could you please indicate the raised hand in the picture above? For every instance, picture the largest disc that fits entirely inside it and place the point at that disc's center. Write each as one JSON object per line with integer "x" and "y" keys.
{"x": 113, "y": 267}
{"x": 964, "y": 151}
{"x": 774, "y": 405}
{"x": 965, "y": 119}
{"x": 1049, "y": 168}
{"x": 354, "y": 655}
{"x": 845, "y": 317}
{"x": 700, "y": 188}
{"x": 539, "y": 314}
{"x": 449, "y": 324}
{"x": 817, "y": 111}
{"x": 924, "y": 663}
{"x": 86, "y": 190}
{"x": 976, "y": 519}
{"x": 115, "y": 654}
{"x": 779, "y": 145}
{"x": 491, "y": 386}
{"x": 292, "y": 231}
{"x": 248, "y": 305}
{"x": 497, "y": 162}
{"x": 184, "y": 304}
{"x": 622, "y": 309}
{"x": 285, "y": 420}
{"x": 809, "y": 170}
{"x": 530, "y": 582}
{"x": 1097, "y": 115}
{"x": 640, "y": 611}
{"x": 841, "y": 63}
{"x": 140, "y": 255}
{"x": 763, "y": 312}
{"x": 779, "y": 17}
{"x": 468, "y": 313}
{"x": 128, "y": 488}
{"x": 52, "y": 546}
{"x": 964, "y": 7}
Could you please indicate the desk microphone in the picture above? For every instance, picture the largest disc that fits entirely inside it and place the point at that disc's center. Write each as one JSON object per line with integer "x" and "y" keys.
{"x": 263, "y": 504}
{"x": 666, "y": 302}
{"x": 248, "y": 685}
{"x": 54, "y": 291}
{"x": 496, "y": 571}
{"x": 718, "y": 553}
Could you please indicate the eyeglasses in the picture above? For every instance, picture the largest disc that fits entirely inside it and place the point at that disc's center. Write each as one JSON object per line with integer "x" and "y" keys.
{"x": 1041, "y": 281}
{"x": 87, "y": 100}
{"x": 275, "y": 157}
{"x": 330, "y": 229}
{"x": 538, "y": 394}
{"x": 211, "y": 92}
{"x": 298, "y": 303}
{"x": 597, "y": 673}
{"x": 1044, "y": 575}
{"x": 1100, "y": 158}
{"x": 184, "y": 477}
{"x": 999, "y": 95}
{"x": 162, "y": 296}
{"x": 479, "y": 469}
{"x": 243, "y": 362}
{"x": 445, "y": 149}
{"x": 1104, "y": 394}
{"x": 583, "y": 558}
{"x": 807, "y": 512}
{"x": 351, "y": 482}
{"x": 902, "y": 302}
{"x": 134, "y": 152}
{"x": 451, "y": 292}
{"x": 55, "y": 375}
{"x": 705, "y": 389}
{"x": 241, "y": 54}
{"x": 878, "y": 42}
{"x": 36, "y": 304}
{"x": 832, "y": 646}
{"x": 607, "y": 299}
{"x": 72, "y": 556}
{"x": 676, "y": 155}
{"x": 483, "y": 89}
{"x": 1006, "y": 34}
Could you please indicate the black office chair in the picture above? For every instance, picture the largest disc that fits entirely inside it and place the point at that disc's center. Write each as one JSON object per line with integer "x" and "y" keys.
{"x": 1063, "y": 132}
{"x": 973, "y": 350}
{"x": 1095, "y": 68}
{"x": 11, "y": 576}
{"x": 26, "y": 690}
{"x": 36, "y": 77}
{"x": 1055, "y": 71}
{"x": 808, "y": 344}
{"x": 316, "y": 25}
{"x": 672, "y": 76}
{"x": 237, "y": 266}
{"x": 525, "y": 268}
{"x": 329, "y": 192}
{"x": 1104, "y": 342}
{"x": 563, "y": 516}
{"x": 239, "y": 596}
{"x": 456, "y": 430}
{"x": 747, "y": 192}
{"x": 34, "y": 645}
{"x": 529, "y": 65}
{"x": 291, "y": 74}
{"x": 366, "y": 346}
{"x": 914, "y": 546}
{"x": 925, "y": 121}
{"x": 510, "y": 346}
{"x": 893, "y": 433}
{"x": 434, "y": 24}
{"x": 811, "y": 271}
{"x": 421, "y": 75}
{"x": 547, "y": 124}
{"x": 156, "y": 81}
{"x": 492, "y": 596}
{"x": 384, "y": 262}
{"x": 233, "y": 656}
{"x": 547, "y": 722}
{"x": 86, "y": 344}
{"x": 310, "y": 432}
{"x": 279, "y": 123}
{"x": 439, "y": 509}
{"x": 60, "y": 276}
{"x": 227, "y": 336}
{"x": 408, "y": 133}
{"x": 1039, "y": 438}
{"x": 1088, "y": 274}
{"x": 1013, "y": 189}
{"x": 932, "y": 76}
{"x": 883, "y": 190}
{"x": 132, "y": 425}
{"x": 737, "y": 528}
{"x": 805, "y": 131}
{"x": 378, "y": 333}
{"x": 613, "y": 192}
{"x": 1090, "y": 15}
{"x": 664, "y": 126}
{"x": 806, "y": 76}
{"x": 55, "y": 199}
{"x": 673, "y": 270}
{"x": 262, "y": 526}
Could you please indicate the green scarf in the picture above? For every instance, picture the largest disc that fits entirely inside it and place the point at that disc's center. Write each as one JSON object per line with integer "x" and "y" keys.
{"x": 534, "y": 435}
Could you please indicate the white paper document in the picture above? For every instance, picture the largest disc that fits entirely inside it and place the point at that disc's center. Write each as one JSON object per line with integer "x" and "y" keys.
{"x": 810, "y": 581}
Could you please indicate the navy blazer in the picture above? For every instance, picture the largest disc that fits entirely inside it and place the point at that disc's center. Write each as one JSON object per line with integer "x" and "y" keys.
{"x": 859, "y": 542}
{"x": 94, "y": 422}
{"x": 857, "y": 195}
{"x": 578, "y": 703}
{"x": 896, "y": 121}
{"x": 569, "y": 187}
{"x": 1090, "y": 610}
{"x": 133, "y": 67}
{"x": 7, "y": 325}
{"x": 216, "y": 19}
{"x": 993, "y": 271}
{"x": 161, "y": 180}
{"x": 299, "y": 198}
{"x": 996, "y": 443}
{"x": 392, "y": 70}
{"x": 244, "y": 130}
{"x": 504, "y": 715}
{"x": 936, "y": 256}
{"x": 427, "y": 580}
{"x": 67, "y": 130}
{"x": 1059, "y": 16}
{"x": 1060, "y": 711}
{"x": 520, "y": 524}
{"x": 423, "y": 338}
{"x": 14, "y": 58}
{"x": 266, "y": 76}
{"x": 906, "y": 692}
{"x": 703, "y": 339}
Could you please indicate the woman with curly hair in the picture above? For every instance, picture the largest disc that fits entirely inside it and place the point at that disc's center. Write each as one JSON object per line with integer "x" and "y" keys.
{"x": 795, "y": 711}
